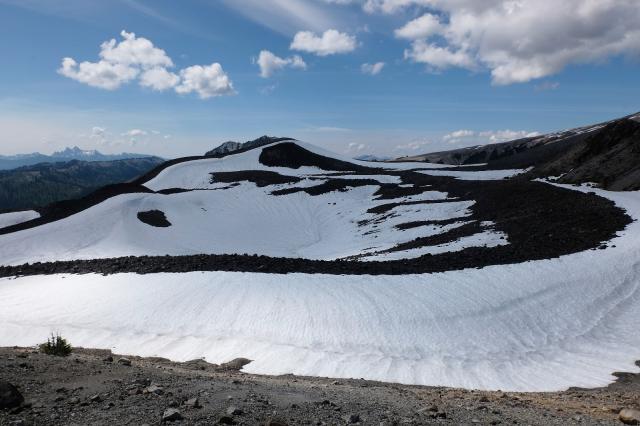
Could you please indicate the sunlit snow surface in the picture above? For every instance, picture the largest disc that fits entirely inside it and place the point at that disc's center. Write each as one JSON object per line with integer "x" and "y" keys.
{"x": 13, "y": 218}
{"x": 217, "y": 218}
{"x": 539, "y": 325}
{"x": 476, "y": 175}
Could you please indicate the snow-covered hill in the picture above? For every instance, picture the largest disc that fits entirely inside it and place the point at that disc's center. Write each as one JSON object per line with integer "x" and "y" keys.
{"x": 220, "y": 217}
{"x": 14, "y": 218}
{"x": 544, "y": 310}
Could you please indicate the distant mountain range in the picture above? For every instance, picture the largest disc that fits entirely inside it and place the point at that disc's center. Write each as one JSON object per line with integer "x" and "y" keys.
{"x": 371, "y": 157}
{"x": 35, "y": 186}
{"x": 8, "y": 162}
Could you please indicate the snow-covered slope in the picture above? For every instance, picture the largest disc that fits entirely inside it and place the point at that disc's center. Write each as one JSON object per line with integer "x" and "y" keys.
{"x": 218, "y": 218}
{"x": 541, "y": 324}
{"x": 13, "y": 218}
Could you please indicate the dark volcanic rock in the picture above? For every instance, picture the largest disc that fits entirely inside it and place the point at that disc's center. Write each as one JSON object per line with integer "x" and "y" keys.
{"x": 610, "y": 158}
{"x": 235, "y": 364}
{"x": 155, "y": 218}
{"x": 10, "y": 397}
{"x": 352, "y": 418}
{"x": 259, "y": 177}
{"x": 328, "y": 186}
{"x": 226, "y": 420}
{"x": 232, "y": 147}
{"x": 607, "y": 154}
{"x": 291, "y": 155}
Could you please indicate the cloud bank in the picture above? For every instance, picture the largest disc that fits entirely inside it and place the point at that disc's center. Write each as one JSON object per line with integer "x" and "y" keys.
{"x": 515, "y": 40}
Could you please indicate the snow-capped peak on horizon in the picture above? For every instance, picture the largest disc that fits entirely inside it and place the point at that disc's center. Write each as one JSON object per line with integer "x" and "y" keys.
{"x": 8, "y": 162}
{"x": 75, "y": 151}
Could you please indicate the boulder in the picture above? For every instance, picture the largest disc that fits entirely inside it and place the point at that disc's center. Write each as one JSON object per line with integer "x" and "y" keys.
{"x": 155, "y": 389}
{"x": 352, "y": 419}
{"x": 124, "y": 361}
{"x": 171, "y": 415}
{"x": 10, "y": 397}
{"x": 629, "y": 416}
{"x": 235, "y": 364}
{"x": 193, "y": 403}
{"x": 234, "y": 411}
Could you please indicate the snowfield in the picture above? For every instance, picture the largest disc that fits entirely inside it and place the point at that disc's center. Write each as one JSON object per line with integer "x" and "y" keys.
{"x": 218, "y": 219}
{"x": 476, "y": 175}
{"x": 13, "y": 218}
{"x": 293, "y": 225}
{"x": 500, "y": 327}
{"x": 534, "y": 326}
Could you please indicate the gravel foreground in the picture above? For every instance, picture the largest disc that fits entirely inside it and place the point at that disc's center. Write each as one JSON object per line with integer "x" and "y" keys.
{"x": 98, "y": 388}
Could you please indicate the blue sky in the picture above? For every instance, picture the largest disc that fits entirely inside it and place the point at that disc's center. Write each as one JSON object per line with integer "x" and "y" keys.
{"x": 449, "y": 74}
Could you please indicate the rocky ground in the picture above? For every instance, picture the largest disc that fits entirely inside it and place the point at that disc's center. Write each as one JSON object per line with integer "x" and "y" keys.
{"x": 97, "y": 387}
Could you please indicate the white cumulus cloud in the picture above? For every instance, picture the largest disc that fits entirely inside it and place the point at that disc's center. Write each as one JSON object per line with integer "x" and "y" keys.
{"x": 159, "y": 78}
{"x": 331, "y": 42}
{"x": 97, "y": 131}
{"x": 392, "y": 6}
{"x": 372, "y": 69}
{"x": 470, "y": 137}
{"x": 422, "y": 27}
{"x": 207, "y": 81}
{"x": 135, "y": 132}
{"x": 137, "y": 58}
{"x": 438, "y": 57}
{"x": 270, "y": 63}
{"x": 102, "y": 74}
{"x": 506, "y": 135}
{"x": 134, "y": 50}
{"x": 458, "y": 134}
{"x": 356, "y": 148}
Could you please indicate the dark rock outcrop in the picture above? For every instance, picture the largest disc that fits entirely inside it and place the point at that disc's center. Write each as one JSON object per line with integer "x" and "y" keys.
{"x": 293, "y": 156}
{"x": 155, "y": 218}
{"x": 232, "y": 146}
{"x": 610, "y": 158}
{"x": 10, "y": 396}
{"x": 607, "y": 154}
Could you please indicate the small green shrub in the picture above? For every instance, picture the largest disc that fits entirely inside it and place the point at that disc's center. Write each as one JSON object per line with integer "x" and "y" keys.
{"x": 56, "y": 345}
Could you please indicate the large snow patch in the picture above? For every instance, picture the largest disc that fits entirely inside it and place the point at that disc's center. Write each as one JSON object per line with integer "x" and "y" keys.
{"x": 535, "y": 326}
